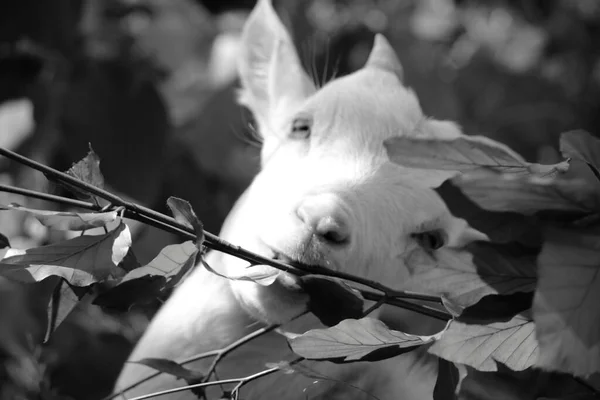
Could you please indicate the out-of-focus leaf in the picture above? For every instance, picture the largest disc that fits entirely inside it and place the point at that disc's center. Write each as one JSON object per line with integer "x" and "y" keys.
{"x": 183, "y": 213}
{"x": 172, "y": 368}
{"x": 504, "y": 384}
{"x": 64, "y": 300}
{"x": 464, "y": 154}
{"x": 4, "y": 241}
{"x": 447, "y": 381}
{"x": 87, "y": 170}
{"x": 465, "y": 276}
{"x": 566, "y": 308}
{"x": 527, "y": 194}
{"x": 510, "y": 342}
{"x": 80, "y": 261}
{"x": 70, "y": 221}
{"x": 16, "y": 120}
{"x": 331, "y": 301}
{"x": 167, "y": 263}
{"x": 365, "y": 339}
{"x": 138, "y": 291}
{"x": 582, "y": 146}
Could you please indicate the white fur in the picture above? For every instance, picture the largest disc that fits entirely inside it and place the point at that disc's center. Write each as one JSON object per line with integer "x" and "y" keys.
{"x": 343, "y": 172}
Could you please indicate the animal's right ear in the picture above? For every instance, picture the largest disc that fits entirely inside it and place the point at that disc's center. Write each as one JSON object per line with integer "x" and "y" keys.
{"x": 273, "y": 80}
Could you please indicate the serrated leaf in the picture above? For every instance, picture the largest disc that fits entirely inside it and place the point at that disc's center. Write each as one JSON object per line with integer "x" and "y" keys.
{"x": 464, "y": 154}
{"x": 183, "y": 213}
{"x": 510, "y": 342}
{"x": 566, "y": 303}
{"x": 167, "y": 263}
{"x": 331, "y": 301}
{"x": 465, "y": 276}
{"x": 582, "y": 146}
{"x": 351, "y": 340}
{"x": 70, "y": 221}
{"x": 527, "y": 194}
{"x": 80, "y": 261}
{"x": 172, "y": 368}
{"x": 87, "y": 170}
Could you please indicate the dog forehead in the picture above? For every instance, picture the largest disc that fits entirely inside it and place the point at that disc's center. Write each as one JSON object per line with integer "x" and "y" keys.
{"x": 367, "y": 101}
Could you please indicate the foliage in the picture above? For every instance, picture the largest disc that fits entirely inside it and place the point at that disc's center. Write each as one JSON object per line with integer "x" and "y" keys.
{"x": 514, "y": 304}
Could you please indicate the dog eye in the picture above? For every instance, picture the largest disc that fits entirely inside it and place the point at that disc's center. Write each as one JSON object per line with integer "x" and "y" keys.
{"x": 431, "y": 240}
{"x": 301, "y": 128}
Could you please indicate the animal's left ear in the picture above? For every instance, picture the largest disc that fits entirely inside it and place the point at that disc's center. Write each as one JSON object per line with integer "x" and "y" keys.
{"x": 384, "y": 57}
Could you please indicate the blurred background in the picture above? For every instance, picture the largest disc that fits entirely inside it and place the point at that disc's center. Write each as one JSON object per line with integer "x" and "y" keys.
{"x": 151, "y": 85}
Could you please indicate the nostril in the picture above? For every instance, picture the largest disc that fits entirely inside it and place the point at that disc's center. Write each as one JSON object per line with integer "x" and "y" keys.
{"x": 324, "y": 216}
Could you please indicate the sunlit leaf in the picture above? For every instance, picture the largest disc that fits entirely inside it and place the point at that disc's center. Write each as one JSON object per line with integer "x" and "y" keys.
{"x": 510, "y": 342}
{"x": 167, "y": 263}
{"x": 72, "y": 221}
{"x": 365, "y": 339}
{"x": 80, "y": 261}
{"x": 465, "y": 276}
{"x": 464, "y": 154}
{"x": 331, "y": 301}
{"x": 566, "y": 304}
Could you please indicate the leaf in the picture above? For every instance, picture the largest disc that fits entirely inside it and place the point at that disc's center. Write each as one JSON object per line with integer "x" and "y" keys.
{"x": 63, "y": 302}
{"x": 510, "y": 342}
{"x": 183, "y": 213}
{"x": 447, "y": 381}
{"x": 80, "y": 261}
{"x": 500, "y": 227}
{"x": 70, "y": 221}
{"x": 502, "y": 384}
{"x": 582, "y": 146}
{"x": 4, "y": 243}
{"x": 464, "y": 154}
{"x": 138, "y": 291}
{"x": 331, "y": 301}
{"x": 172, "y": 368}
{"x": 87, "y": 170}
{"x": 263, "y": 275}
{"x": 527, "y": 194}
{"x": 566, "y": 303}
{"x": 167, "y": 263}
{"x": 365, "y": 339}
{"x": 465, "y": 276}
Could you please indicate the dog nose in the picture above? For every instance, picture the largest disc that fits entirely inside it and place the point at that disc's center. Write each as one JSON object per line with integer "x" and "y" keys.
{"x": 326, "y": 217}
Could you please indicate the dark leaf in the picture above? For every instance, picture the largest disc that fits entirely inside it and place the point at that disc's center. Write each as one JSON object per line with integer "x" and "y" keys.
{"x": 172, "y": 368}
{"x": 447, "y": 381}
{"x": 183, "y": 213}
{"x": 4, "y": 241}
{"x": 331, "y": 301}
{"x": 464, "y": 154}
{"x": 63, "y": 302}
{"x": 464, "y": 277}
{"x": 80, "y": 261}
{"x": 87, "y": 170}
{"x": 500, "y": 227}
{"x": 139, "y": 291}
{"x": 496, "y": 308}
{"x": 566, "y": 303}
{"x": 582, "y": 146}
{"x": 365, "y": 339}
{"x": 512, "y": 343}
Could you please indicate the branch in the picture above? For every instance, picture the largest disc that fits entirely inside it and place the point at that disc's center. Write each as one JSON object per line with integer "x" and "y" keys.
{"x": 154, "y": 218}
